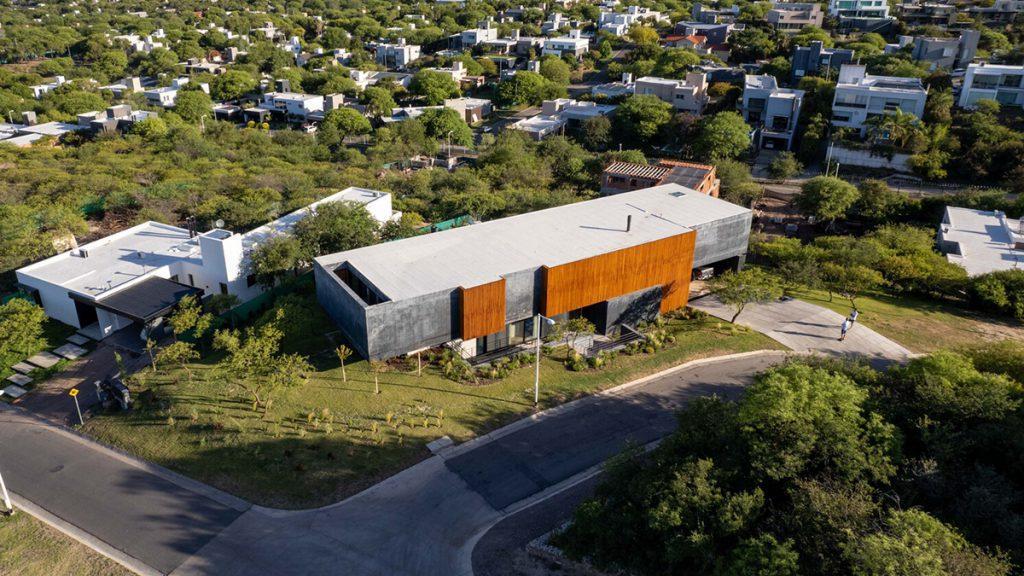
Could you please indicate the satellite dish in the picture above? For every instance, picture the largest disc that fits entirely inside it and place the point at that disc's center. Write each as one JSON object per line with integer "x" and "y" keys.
{"x": 218, "y": 223}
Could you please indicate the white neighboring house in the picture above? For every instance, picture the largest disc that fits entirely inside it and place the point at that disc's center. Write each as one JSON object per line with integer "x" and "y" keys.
{"x": 41, "y": 89}
{"x": 136, "y": 276}
{"x": 293, "y": 104}
{"x": 475, "y": 36}
{"x": 167, "y": 96}
{"x": 397, "y": 55}
{"x": 981, "y": 241}
{"x": 143, "y": 44}
{"x": 365, "y": 78}
{"x": 1004, "y": 84}
{"x": 457, "y": 71}
{"x": 558, "y": 114}
{"x": 858, "y": 8}
{"x": 618, "y": 23}
{"x": 574, "y": 44}
{"x": 860, "y": 96}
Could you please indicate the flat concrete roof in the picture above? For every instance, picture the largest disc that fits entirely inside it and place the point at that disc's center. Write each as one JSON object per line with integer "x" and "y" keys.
{"x": 986, "y": 240}
{"x": 114, "y": 260}
{"x": 477, "y": 254}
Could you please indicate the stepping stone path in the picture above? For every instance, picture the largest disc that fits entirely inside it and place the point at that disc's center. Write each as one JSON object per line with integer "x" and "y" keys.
{"x": 78, "y": 339}
{"x": 19, "y": 379}
{"x": 44, "y": 359}
{"x": 71, "y": 351}
{"x": 23, "y": 367}
{"x": 14, "y": 391}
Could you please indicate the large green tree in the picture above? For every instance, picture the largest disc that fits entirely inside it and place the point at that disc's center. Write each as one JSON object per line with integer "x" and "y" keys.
{"x": 723, "y": 135}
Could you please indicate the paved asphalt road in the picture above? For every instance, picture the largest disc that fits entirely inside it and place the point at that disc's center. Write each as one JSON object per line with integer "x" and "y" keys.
{"x": 147, "y": 515}
{"x": 424, "y": 520}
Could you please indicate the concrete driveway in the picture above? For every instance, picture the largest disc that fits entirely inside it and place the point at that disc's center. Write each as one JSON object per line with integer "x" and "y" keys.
{"x": 806, "y": 327}
{"x": 424, "y": 520}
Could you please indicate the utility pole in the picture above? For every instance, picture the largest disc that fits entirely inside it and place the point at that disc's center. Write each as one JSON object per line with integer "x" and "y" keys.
{"x": 9, "y": 508}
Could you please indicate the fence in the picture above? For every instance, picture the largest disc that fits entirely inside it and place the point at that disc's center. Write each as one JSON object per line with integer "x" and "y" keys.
{"x": 246, "y": 310}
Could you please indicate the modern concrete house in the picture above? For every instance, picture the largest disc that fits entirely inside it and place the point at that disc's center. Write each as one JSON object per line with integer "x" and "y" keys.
{"x": 860, "y": 96}
{"x": 574, "y": 44}
{"x": 923, "y": 13}
{"x": 772, "y": 111}
{"x": 1004, "y": 84}
{"x": 689, "y": 95}
{"x": 619, "y": 177}
{"x": 398, "y": 55}
{"x": 791, "y": 17}
{"x": 815, "y": 59}
{"x": 134, "y": 277}
{"x": 709, "y": 15}
{"x": 981, "y": 241}
{"x": 950, "y": 53}
{"x": 870, "y": 9}
{"x": 1000, "y": 12}
{"x": 293, "y": 105}
{"x": 616, "y": 260}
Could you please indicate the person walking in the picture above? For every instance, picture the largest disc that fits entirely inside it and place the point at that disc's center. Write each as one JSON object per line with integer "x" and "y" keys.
{"x": 853, "y": 316}
{"x": 844, "y": 328}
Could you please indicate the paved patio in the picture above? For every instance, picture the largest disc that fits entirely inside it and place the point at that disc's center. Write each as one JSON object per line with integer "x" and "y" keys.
{"x": 805, "y": 327}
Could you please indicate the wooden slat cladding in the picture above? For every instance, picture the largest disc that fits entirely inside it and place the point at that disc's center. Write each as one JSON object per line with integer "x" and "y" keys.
{"x": 666, "y": 262}
{"x": 482, "y": 309}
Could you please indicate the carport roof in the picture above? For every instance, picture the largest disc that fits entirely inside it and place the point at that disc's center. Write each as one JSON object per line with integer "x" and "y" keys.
{"x": 145, "y": 301}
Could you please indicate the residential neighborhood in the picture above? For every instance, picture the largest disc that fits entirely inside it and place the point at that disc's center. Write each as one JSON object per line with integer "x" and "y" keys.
{"x": 495, "y": 288}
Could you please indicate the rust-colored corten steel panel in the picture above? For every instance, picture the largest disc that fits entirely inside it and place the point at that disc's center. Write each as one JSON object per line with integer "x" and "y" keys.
{"x": 666, "y": 262}
{"x": 483, "y": 309}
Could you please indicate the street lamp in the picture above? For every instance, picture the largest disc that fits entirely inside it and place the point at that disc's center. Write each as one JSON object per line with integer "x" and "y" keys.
{"x": 8, "y": 507}
{"x": 536, "y": 375}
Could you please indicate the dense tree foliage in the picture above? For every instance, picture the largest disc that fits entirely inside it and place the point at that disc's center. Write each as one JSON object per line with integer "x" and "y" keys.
{"x": 826, "y": 468}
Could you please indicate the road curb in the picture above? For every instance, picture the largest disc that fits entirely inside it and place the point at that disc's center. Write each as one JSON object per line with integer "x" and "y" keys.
{"x": 83, "y": 537}
{"x": 474, "y": 443}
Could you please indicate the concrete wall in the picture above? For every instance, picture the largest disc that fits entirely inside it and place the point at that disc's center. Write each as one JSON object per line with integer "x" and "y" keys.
{"x": 721, "y": 240}
{"x": 522, "y": 296}
{"x": 394, "y": 328}
{"x": 346, "y": 309}
{"x": 633, "y": 308}
{"x": 864, "y": 158}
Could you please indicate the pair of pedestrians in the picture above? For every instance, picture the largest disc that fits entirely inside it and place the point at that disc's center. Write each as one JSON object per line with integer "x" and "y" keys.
{"x": 847, "y": 324}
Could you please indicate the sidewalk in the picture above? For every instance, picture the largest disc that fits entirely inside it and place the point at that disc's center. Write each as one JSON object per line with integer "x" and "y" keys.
{"x": 805, "y": 327}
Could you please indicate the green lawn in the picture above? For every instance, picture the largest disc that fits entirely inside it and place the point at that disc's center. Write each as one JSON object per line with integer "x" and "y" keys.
{"x": 331, "y": 437}
{"x": 920, "y": 324}
{"x": 30, "y": 548}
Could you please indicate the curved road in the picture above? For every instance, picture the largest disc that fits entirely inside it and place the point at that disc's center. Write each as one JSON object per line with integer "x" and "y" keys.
{"x": 424, "y": 520}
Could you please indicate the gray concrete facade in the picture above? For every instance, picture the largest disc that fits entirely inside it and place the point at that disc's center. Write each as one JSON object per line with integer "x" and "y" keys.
{"x": 381, "y": 325}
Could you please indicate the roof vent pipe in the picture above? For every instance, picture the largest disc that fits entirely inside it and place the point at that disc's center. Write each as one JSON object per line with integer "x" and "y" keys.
{"x": 629, "y": 222}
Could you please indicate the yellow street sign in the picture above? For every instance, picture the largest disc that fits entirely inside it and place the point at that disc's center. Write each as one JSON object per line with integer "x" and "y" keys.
{"x": 73, "y": 392}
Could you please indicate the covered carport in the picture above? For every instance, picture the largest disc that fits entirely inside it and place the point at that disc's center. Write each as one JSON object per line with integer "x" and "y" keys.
{"x": 141, "y": 303}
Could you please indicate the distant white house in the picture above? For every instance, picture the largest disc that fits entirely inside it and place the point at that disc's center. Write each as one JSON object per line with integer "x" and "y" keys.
{"x": 293, "y": 104}
{"x": 167, "y": 96}
{"x": 556, "y": 115}
{"x": 1004, "y": 84}
{"x": 136, "y": 276}
{"x": 39, "y": 90}
{"x": 574, "y": 44}
{"x": 981, "y": 241}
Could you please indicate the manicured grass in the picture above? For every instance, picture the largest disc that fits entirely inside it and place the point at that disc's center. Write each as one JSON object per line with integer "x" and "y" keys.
{"x": 919, "y": 324}
{"x": 331, "y": 437}
{"x": 30, "y": 548}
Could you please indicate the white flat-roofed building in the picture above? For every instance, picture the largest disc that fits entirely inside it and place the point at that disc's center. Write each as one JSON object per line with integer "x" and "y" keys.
{"x": 981, "y": 241}
{"x": 1004, "y": 84}
{"x": 791, "y": 17}
{"x": 480, "y": 286}
{"x": 860, "y": 96}
{"x": 136, "y": 275}
{"x": 294, "y": 104}
{"x": 574, "y": 44}
{"x": 39, "y": 90}
{"x": 475, "y": 36}
{"x": 874, "y": 9}
{"x": 618, "y": 23}
{"x": 557, "y": 115}
{"x": 365, "y": 78}
{"x": 397, "y": 55}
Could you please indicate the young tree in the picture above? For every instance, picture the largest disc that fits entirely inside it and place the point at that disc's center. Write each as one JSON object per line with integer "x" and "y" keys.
{"x": 750, "y": 285}
{"x": 724, "y": 135}
{"x": 343, "y": 352}
{"x": 376, "y": 367}
{"x": 570, "y": 330}
{"x": 826, "y": 198}
{"x": 151, "y": 348}
{"x": 189, "y": 316}
{"x": 850, "y": 279}
{"x": 180, "y": 353}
